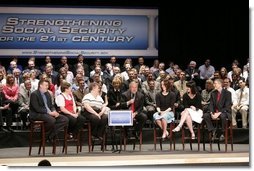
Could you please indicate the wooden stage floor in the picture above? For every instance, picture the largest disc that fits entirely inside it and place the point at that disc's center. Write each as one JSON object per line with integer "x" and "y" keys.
{"x": 147, "y": 157}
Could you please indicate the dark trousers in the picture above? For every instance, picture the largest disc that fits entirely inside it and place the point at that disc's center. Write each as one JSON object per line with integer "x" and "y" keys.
{"x": 23, "y": 115}
{"x": 13, "y": 105}
{"x": 150, "y": 110}
{"x": 52, "y": 125}
{"x": 208, "y": 119}
{"x": 98, "y": 124}
{"x": 138, "y": 122}
{"x": 75, "y": 124}
{"x": 8, "y": 116}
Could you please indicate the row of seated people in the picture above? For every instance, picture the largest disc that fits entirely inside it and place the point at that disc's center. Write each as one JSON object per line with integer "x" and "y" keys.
{"x": 239, "y": 99}
{"x": 203, "y": 72}
{"x": 150, "y": 108}
{"x": 149, "y": 100}
{"x": 140, "y": 71}
{"x": 42, "y": 108}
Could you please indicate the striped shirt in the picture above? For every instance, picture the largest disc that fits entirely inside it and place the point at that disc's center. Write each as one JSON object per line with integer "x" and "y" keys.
{"x": 92, "y": 101}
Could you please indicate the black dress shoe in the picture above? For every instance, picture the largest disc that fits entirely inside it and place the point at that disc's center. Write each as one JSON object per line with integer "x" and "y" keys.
{"x": 10, "y": 129}
{"x": 97, "y": 137}
{"x": 136, "y": 135}
{"x": 3, "y": 130}
{"x": 50, "y": 140}
{"x": 213, "y": 134}
{"x": 222, "y": 138}
{"x": 100, "y": 138}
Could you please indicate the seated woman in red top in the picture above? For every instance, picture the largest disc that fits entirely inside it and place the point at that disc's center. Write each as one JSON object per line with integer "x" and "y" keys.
{"x": 65, "y": 101}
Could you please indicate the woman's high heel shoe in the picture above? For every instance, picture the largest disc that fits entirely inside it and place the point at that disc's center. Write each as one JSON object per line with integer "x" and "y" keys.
{"x": 164, "y": 136}
{"x": 167, "y": 134}
{"x": 193, "y": 137}
{"x": 177, "y": 129}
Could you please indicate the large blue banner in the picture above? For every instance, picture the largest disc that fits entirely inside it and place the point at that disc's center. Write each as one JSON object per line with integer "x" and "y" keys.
{"x": 39, "y": 34}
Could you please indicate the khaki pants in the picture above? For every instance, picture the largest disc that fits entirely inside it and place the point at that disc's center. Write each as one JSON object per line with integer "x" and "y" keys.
{"x": 244, "y": 112}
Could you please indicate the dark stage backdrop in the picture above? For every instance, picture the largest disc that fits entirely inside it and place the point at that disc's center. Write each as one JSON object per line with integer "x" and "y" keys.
{"x": 218, "y": 30}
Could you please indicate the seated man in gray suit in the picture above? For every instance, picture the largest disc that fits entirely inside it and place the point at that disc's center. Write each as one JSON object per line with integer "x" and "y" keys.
{"x": 23, "y": 100}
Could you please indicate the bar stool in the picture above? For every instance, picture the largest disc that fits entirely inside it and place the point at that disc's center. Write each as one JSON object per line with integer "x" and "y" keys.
{"x": 76, "y": 139}
{"x": 114, "y": 139}
{"x": 191, "y": 140}
{"x": 133, "y": 139}
{"x": 171, "y": 135}
{"x": 87, "y": 125}
{"x": 39, "y": 126}
{"x": 228, "y": 130}
{"x": 101, "y": 142}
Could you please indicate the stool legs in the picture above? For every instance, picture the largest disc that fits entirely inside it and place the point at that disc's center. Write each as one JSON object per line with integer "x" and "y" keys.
{"x": 134, "y": 140}
{"x": 42, "y": 136}
{"x": 191, "y": 140}
{"x": 89, "y": 137}
{"x": 140, "y": 139}
{"x": 228, "y": 133}
{"x": 171, "y": 136}
{"x": 77, "y": 139}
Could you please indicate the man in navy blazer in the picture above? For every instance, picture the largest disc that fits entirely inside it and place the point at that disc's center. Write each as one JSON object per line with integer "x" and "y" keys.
{"x": 219, "y": 107}
{"x": 41, "y": 108}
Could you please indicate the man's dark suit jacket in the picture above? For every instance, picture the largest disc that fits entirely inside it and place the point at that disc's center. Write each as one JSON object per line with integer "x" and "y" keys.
{"x": 189, "y": 72}
{"x": 37, "y": 105}
{"x": 54, "y": 77}
{"x": 138, "y": 103}
{"x": 149, "y": 99}
{"x": 223, "y": 105}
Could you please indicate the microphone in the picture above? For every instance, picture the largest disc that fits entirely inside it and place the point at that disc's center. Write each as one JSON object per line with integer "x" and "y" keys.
{"x": 132, "y": 96}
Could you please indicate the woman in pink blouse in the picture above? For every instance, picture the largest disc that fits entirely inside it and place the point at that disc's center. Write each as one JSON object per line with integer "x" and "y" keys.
{"x": 11, "y": 91}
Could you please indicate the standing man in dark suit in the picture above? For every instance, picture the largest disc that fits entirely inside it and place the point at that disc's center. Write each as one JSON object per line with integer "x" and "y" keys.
{"x": 134, "y": 100}
{"x": 220, "y": 106}
{"x": 41, "y": 108}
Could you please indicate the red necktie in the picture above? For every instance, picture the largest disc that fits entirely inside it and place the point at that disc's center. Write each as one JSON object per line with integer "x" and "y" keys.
{"x": 132, "y": 107}
{"x": 218, "y": 99}
{"x": 218, "y": 96}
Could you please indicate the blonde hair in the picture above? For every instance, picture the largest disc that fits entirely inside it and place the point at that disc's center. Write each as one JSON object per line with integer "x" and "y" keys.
{"x": 116, "y": 80}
